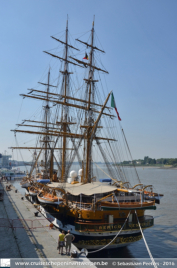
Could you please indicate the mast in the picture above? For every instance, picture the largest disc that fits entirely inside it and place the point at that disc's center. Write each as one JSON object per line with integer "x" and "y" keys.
{"x": 89, "y": 111}
{"x": 46, "y": 121}
{"x": 90, "y": 114}
{"x": 64, "y": 119}
{"x": 65, "y": 101}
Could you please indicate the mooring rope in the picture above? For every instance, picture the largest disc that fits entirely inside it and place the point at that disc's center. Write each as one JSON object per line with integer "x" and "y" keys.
{"x": 150, "y": 255}
{"x": 113, "y": 238}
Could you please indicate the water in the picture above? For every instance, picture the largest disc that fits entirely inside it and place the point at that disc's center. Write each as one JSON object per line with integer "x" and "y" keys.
{"x": 162, "y": 237}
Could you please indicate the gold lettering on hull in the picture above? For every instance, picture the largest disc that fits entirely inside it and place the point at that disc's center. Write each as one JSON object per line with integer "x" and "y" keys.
{"x": 112, "y": 227}
{"x": 120, "y": 240}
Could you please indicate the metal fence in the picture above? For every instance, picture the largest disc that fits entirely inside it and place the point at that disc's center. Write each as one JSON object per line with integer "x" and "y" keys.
{"x": 25, "y": 224}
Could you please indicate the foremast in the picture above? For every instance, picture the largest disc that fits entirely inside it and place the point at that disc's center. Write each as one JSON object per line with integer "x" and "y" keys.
{"x": 65, "y": 104}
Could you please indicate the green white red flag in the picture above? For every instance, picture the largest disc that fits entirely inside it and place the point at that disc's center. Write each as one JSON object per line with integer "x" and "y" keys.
{"x": 113, "y": 104}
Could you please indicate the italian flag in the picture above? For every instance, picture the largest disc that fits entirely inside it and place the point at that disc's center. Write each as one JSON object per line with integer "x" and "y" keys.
{"x": 86, "y": 57}
{"x": 113, "y": 104}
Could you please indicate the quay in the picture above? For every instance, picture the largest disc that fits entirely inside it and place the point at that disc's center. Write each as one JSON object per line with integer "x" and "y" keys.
{"x": 24, "y": 235}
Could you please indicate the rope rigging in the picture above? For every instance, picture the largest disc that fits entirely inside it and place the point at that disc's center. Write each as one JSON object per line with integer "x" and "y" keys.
{"x": 131, "y": 155}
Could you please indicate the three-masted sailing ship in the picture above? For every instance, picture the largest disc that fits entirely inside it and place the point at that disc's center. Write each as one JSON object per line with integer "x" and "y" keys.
{"x": 81, "y": 128}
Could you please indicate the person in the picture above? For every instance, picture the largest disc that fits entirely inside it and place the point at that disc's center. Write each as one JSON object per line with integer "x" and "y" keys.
{"x": 61, "y": 242}
{"x": 68, "y": 239}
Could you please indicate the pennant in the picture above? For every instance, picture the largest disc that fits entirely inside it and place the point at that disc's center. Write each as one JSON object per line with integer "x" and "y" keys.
{"x": 86, "y": 57}
{"x": 113, "y": 105}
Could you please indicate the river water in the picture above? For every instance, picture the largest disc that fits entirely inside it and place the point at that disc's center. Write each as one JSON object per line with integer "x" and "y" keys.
{"x": 162, "y": 237}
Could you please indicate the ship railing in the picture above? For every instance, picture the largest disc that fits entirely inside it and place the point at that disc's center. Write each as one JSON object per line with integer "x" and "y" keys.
{"x": 84, "y": 206}
{"x": 123, "y": 199}
{"x": 146, "y": 222}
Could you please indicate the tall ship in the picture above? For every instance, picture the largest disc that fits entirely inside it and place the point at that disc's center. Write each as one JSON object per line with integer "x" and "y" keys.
{"x": 101, "y": 205}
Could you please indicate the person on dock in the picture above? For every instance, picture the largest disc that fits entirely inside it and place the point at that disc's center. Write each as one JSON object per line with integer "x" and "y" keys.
{"x": 69, "y": 238}
{"x": 61, "y": 242}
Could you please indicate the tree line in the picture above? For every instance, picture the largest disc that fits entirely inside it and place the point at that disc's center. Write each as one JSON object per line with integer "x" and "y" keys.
{"x": 152, "y": 161}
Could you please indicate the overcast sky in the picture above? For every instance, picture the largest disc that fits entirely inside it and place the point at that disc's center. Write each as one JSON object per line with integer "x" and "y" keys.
{"x": 140, "y": 40}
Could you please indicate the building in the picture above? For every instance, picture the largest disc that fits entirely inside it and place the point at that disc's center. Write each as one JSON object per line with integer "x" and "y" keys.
{"x": 5, "y": 161}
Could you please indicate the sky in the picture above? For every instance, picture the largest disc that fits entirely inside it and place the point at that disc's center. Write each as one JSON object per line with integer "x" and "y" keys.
{"x": 140, "y": 41}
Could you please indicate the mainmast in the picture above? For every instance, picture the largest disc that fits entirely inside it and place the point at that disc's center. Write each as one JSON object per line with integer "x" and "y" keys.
{"x": 90, "y": 85}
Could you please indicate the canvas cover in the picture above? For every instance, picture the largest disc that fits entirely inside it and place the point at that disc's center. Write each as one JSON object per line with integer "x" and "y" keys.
{"x": 85, "y": 189}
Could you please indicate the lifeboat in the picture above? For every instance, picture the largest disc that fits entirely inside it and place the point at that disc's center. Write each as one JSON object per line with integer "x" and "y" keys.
{"x": 149, "y": 195}
{"x": 33, "y": 191}
{"x": 128, "y": 205}
{"x": 25, "y": 183}
{"x": 48, "y": 198}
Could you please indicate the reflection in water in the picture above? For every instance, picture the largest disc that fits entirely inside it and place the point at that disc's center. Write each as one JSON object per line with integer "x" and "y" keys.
{"x": 162, "y": 238}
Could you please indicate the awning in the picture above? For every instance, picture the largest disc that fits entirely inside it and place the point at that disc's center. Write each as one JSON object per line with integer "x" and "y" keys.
{"x": 85, "y": 189}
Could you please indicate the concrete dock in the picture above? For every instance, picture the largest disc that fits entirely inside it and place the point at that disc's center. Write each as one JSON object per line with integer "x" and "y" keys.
{"x": 22, "y": 241}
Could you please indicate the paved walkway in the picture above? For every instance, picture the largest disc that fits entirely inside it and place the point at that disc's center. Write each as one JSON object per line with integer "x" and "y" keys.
{"x": 40, "y": 243}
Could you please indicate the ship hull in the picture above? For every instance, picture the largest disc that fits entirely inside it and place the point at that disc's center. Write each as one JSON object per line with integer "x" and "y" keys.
{"x": 94, "y": 240}
{"x": 87, "y": 239}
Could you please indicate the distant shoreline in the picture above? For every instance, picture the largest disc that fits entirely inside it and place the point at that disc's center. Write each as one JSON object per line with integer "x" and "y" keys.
{"x": 155, "y": 167}
{"x": 175, "y": 168}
